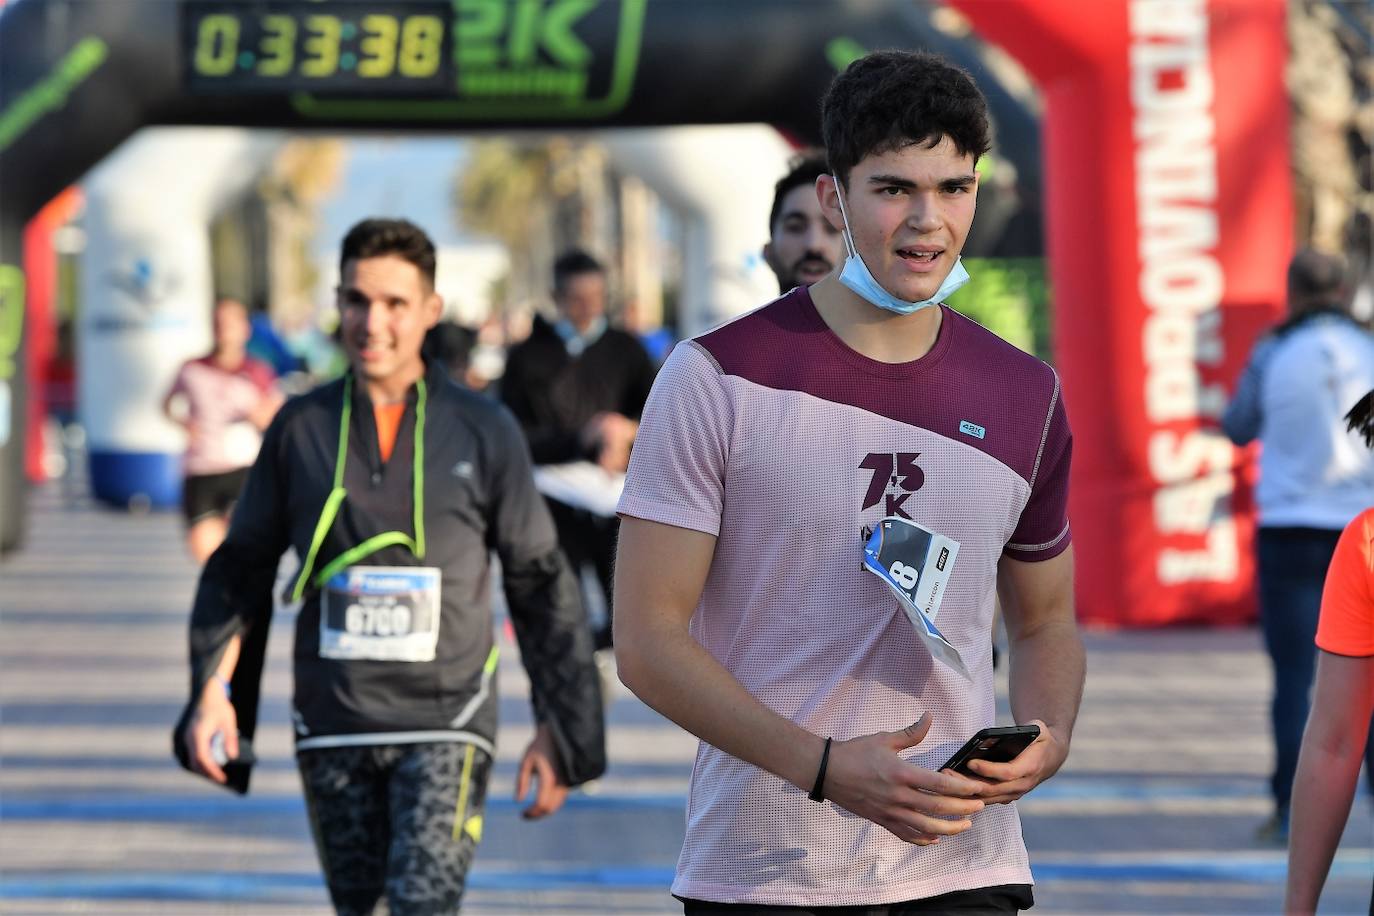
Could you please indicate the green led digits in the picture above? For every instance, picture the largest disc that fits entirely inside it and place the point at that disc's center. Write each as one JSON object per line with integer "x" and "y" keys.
{"x": 508, "y": 60}
{"x": 321, "y": 45}
{"x": 378, "y": 46}
{"x": 278, "y": 45}
{"x": 420, "y": 45}
{"x": 218, "y": 45}
{"x": 291, "y": 45}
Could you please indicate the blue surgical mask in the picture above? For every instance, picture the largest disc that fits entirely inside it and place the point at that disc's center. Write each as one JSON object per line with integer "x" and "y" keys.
{"x": 857, "y": 277}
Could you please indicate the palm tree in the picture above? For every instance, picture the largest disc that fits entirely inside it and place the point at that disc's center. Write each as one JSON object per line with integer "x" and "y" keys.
{"x": 538, "y": 197}
{"x": 505, "y": 191}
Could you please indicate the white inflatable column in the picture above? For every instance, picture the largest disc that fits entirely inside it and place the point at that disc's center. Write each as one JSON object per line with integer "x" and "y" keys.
{"x": 722, "y": 178}
{"x": 146, "y": 292}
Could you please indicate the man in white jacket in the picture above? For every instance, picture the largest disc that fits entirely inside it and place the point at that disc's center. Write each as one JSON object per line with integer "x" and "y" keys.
{"x": 1315, "y": 477}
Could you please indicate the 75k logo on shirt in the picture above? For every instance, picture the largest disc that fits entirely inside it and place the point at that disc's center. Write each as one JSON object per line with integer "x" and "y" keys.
{"x": 895, "y": 478}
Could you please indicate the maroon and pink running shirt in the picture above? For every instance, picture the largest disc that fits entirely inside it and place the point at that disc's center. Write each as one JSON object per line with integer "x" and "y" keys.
{"x": 775, "y": 437}
{"x": 220, "y": 402}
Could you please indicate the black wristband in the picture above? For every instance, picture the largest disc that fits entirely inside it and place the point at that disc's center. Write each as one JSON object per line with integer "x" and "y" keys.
{"x": 817, "y": 793}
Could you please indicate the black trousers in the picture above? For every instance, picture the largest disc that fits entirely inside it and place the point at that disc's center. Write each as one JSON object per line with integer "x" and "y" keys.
{"x": 986, "y": 901}
{"x": 1292, "y": 573}
{"x": 588, "y": 539}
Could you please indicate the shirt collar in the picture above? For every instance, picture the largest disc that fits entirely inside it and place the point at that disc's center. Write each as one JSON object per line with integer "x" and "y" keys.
{"x": 576, "y": 343}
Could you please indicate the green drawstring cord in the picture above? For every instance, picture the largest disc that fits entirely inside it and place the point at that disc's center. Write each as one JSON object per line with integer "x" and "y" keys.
{"x": 373, "y": 544}
{"x": 418, "y": 475}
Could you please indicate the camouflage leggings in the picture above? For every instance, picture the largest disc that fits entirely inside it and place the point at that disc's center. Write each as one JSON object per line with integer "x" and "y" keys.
{"x": 398, "y": 819}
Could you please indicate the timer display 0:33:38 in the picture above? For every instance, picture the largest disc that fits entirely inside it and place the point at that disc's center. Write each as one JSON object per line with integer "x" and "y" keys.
{"x": 275, "y": 47}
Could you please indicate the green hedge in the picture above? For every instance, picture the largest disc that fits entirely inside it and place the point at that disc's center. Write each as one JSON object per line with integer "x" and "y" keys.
{"x": 1011, "y": 298}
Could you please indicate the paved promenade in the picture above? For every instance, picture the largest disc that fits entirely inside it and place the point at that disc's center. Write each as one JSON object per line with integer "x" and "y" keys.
{"x": 1154, "y": 814}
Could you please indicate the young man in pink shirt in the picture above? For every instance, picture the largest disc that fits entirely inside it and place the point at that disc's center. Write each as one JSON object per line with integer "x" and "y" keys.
{"x": 770, "y": 449}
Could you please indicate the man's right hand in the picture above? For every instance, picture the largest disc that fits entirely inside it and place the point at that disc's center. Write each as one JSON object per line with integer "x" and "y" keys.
{"x": 214, "y": 715}
{"x": 866, "y": 777}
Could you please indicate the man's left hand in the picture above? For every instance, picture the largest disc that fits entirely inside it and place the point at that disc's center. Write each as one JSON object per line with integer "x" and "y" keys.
{"x": 540, "y": 764}
{"x": 1006, "y": 782}
{"x": 617, "y": 436}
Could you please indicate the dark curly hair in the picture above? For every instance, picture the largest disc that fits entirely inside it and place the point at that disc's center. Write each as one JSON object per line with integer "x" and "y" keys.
{"x": 888, "y": 100}
{"x": 1360, "y": 420}
{"x": 803, "y": 170}
{"x": 571, "y": 263}
{"x": 375, "y": 238}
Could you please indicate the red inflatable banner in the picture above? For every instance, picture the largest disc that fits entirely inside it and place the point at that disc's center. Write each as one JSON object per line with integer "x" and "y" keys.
{"x": 1169, "y": 232}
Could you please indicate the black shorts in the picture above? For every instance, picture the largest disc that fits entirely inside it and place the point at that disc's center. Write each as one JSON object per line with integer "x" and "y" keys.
{"x": 204, "y": 495}
{"x": 986, "y": 901}
{"x": 400, "y": 821}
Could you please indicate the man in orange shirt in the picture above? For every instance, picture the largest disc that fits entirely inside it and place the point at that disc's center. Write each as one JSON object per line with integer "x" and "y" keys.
{"x": 1338, "y": 728}
{"x": 394, "y": 486}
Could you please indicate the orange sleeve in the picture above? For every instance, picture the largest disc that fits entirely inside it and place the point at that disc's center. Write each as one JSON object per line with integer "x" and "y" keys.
{"x": 388, "y": 424}
{"x": 1347, "y": 620}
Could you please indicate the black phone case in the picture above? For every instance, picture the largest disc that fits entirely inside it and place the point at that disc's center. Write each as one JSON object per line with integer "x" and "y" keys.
{"x": 1007, "y": 744}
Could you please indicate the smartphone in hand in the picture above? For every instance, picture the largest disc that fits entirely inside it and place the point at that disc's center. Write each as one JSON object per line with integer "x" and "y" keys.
{"x": 998, "y": 745}
{"x": 246, "y": 756}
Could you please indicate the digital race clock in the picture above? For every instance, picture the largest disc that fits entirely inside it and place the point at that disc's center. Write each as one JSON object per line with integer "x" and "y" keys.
{"x": 403, "y": 48}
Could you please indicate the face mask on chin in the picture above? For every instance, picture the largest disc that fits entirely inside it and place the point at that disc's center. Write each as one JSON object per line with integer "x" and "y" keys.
{"x": 857, "y": 277}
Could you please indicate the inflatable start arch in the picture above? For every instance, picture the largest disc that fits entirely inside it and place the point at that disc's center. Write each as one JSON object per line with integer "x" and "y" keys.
{"x": 1165, "y": 162}
{"x": 1169, "y": 233}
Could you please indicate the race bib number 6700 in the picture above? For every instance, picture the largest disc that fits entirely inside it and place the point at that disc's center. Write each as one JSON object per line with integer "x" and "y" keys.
{"x": 381, "y": 613}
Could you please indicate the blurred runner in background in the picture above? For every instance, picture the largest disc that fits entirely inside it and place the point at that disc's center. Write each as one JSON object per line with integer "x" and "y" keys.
{"x": 224, "y": 400}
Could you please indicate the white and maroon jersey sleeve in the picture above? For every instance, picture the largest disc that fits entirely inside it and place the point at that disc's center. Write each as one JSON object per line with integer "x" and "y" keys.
{"x": 1043, "y": 530}
{"x": 260, "y": 374}
{"x": 677, "y": 467}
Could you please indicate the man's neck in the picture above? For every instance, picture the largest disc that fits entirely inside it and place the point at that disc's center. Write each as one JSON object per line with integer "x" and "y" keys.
{"x": 230, "y": 359}
{"x": 394, "y": 388}
{"x": 875, "y": 332}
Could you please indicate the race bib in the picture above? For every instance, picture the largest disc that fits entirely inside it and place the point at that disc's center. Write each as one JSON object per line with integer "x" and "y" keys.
{"x": 381, "y": 613}
{"x": 916, "y": 563}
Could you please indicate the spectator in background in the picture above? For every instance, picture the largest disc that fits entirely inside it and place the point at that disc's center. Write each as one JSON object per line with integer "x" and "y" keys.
{"x": 657, "y": 339}
{"x": 578, "y": 387}
{"x": 1339, "y": 729}
{"x": 450, "y": 345}
{"x": 1315, "y": 477}
{"x": 267, "y": 345}
{"x": 224, "y": 400}
{"x": 802, "y": 245}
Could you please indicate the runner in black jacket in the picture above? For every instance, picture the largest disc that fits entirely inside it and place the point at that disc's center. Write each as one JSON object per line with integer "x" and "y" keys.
{"x": 395, "y": 697}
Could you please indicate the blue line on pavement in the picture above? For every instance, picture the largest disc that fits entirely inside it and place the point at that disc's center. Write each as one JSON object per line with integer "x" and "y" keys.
{"x": 1272, "y": 869}
{"x": 168, "y": 808}
{"x": 161, "y": 807}
{"x": 273, "y": 887}
{"x": 296, "y": 885}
